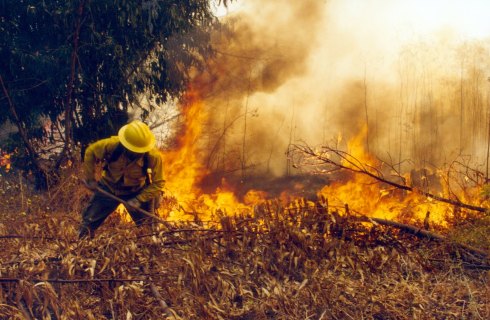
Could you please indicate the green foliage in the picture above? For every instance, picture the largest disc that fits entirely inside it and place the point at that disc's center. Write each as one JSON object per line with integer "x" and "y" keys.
{"x": 119, "y": 49}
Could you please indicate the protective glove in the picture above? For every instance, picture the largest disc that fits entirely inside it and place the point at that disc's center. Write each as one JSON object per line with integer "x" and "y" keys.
{"x": 91, "y": 185}
{"x": 135, "y": 203}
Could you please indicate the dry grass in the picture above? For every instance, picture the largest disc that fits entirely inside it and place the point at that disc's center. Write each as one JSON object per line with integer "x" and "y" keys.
{"x": 301, "y": 263}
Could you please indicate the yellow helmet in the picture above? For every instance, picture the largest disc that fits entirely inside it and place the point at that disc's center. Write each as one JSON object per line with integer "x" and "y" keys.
{"x": 137, "y": 137}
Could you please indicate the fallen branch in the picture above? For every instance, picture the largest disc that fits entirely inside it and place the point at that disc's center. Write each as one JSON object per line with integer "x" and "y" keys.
{"x": 68, "y": 281}
{"x": 19, "y": 236}
{"x": 166, "y": 310}
{"x": 358, "y": 167}
{"x": 187, "y": 241}
{"x": 421, "y": 233}
{"x": 166, "y": 233}
{"x": 177, "y": 231}
{"x": 476, "y": 266}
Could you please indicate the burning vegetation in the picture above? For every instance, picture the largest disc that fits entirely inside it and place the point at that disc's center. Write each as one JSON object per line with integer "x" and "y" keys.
{"x": 262, "y": 225}
{"x": 319, "y": 249}
{"x": 269, "y": 260}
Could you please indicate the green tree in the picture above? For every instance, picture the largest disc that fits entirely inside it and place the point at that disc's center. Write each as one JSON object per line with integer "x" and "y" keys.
{"x": 79, "y": 65}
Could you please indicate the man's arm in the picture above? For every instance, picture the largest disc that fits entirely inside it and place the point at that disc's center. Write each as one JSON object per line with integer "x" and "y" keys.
{"x": 158, "y": 181}
{"x": 95, "y": 152}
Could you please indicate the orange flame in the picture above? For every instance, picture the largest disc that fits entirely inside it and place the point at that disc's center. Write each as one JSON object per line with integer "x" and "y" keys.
{"x": 5, "y": 160}
{"x": 185, "y": 170}
{"x": 369, "y": 197}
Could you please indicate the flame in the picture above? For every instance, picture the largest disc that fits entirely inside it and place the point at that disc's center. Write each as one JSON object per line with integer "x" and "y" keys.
{"x": 5, "y": 160}
{"x": 184, "y": 171}
{"x": 366, "y": 196}
{"x": 266, "y": 78}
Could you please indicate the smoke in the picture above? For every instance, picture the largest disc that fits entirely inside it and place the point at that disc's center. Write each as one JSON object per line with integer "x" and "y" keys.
{"x": 312, "y": 71}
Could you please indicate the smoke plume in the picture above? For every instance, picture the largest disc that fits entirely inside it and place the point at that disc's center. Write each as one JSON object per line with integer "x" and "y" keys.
{"x": 317, "y": 72}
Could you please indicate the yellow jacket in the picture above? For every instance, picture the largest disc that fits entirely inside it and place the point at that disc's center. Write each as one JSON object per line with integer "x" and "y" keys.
{"x": 125, "y": 176}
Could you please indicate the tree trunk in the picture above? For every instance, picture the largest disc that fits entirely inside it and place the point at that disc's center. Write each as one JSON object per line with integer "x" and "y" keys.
{"x": 40, "y": 171}
{"x": 67, "y": 150}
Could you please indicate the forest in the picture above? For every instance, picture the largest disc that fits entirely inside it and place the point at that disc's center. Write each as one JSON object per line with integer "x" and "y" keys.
{"x": 317, "y": 165}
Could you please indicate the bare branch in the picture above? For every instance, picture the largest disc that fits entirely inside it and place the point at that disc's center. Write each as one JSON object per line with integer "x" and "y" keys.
{"x": 327, "y": 155}
{"x": 71, "y": 281}
{"x": 421, "y": 233}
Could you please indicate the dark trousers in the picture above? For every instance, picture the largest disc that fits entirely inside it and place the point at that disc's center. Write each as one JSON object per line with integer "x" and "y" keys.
{"x": 101, "y": 206}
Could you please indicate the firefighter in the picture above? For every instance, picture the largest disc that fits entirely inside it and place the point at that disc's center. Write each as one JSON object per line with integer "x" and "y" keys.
{"x": 132, "y": 171}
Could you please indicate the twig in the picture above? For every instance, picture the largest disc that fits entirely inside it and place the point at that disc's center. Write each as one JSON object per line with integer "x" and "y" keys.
{"x": 421, "y": 233}
{"x": 68, "y": 112}
{"x": 19, "y": 236}
{"x": 22, "y": 129}
{"x": 360, "y": 168}
{"x": 166, "y": 310}
{"x": 476, "y": 266}
{"x": 183, "y": 231}
{"x": 68, "y": 281}
{"x": 185, "y": 241}
{"x": 23, "y": 309}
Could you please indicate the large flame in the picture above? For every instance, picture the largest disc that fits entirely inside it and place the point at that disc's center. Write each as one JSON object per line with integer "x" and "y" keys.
{"x": 184, "y": 170}
{"x": 264, "y": 61}
{"x": 362, "y": 194}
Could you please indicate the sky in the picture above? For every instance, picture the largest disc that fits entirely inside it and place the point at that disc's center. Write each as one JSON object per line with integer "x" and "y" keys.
{"x": 469, "y": 18}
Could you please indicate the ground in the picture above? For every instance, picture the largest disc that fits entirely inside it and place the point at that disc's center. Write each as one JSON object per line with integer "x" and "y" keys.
{"x": 305, "y": 261}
